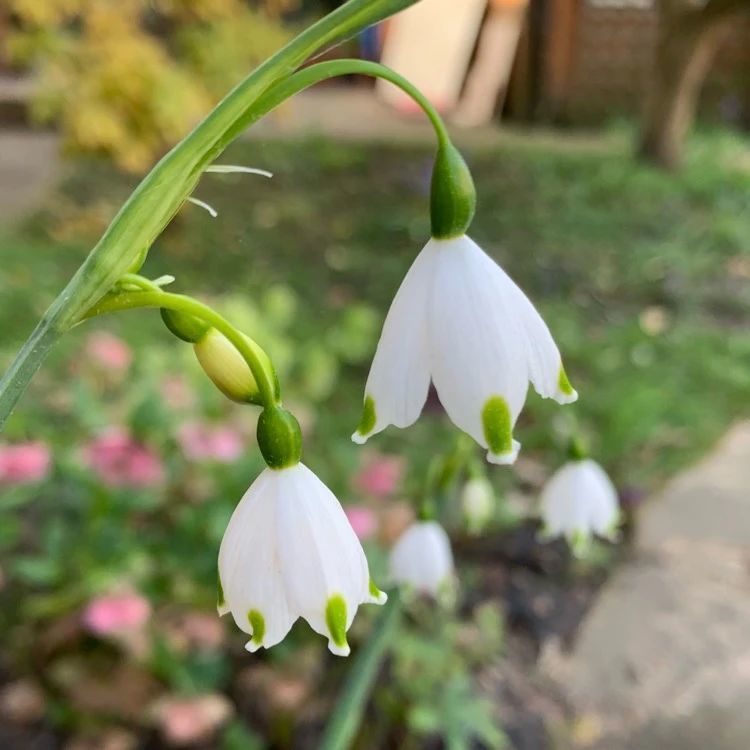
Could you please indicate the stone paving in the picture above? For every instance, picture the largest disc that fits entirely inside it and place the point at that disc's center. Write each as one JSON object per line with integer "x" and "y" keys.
{"x": 662, "y": 662}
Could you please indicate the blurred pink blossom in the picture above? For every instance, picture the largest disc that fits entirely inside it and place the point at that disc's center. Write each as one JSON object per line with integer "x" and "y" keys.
{"x": 197, "y": 630}
{"x": 108, "y": 351}
{"x": 116, "y": 613}
{"x": 363, "y": 520}
{"x": 24, "y": 462}
{"x": 177, "y": 392}
{"x": 200, "y": 442}
{"x": 381, "y": 477}
{"x": 184, "y": 721}
{"x": 120, "y": 461}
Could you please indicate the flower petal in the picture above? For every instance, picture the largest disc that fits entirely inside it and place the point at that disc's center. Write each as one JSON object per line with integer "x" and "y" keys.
{"x": 321, "y": 558}
{"x": 477, "y": 346}
{"x": 605, "y": 512}
{"x": 422, "y": 558}
{"x": 399, "y": 377}
{"x": 579, "y": 500}
{"x": 546, "y": 371}
{"x": 249, "y": 566}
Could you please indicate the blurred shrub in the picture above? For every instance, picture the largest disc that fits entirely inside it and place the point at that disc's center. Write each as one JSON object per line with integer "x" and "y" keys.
{"x": 128, "y": 78}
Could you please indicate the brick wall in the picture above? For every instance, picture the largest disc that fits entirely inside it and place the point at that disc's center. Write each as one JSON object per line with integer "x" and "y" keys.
{"x": 612, "y": 59}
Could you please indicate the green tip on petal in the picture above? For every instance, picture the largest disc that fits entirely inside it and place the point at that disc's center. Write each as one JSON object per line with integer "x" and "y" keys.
{"x": 367, "y": 422}
{"x": 258, "y": 626}
{"x": 221, "y": 602}
{"x": 564, "y": 386}
{"x": 498, "y": 428}
{"x": 336, "y": 623}
{"x": 612, "y": 533}
{"x": 376, "y": 595}
{"x": 580, "y": 544}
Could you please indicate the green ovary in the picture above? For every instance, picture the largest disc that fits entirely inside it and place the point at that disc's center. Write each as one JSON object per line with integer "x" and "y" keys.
{"x": 563, "y": 383}
{"x": 336, "y": 619}
{"x": 498, "y": 425}
{"x": 258, "y": 624}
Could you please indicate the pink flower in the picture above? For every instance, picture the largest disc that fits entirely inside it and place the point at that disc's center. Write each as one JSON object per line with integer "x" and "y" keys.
{"x": 120, "y": 461}
{"x": 24, "y": 462}
{"x": 177, "y": 392}
{"x": 363, "y": 520}
{"x": 108, "y": 351}
{"x": 200, "y": 442}
{"x": 184, "y": 721}
{"x": 196, "y": 630}
{"x": 116, "y": 613}
{"x": 381, "y": 476}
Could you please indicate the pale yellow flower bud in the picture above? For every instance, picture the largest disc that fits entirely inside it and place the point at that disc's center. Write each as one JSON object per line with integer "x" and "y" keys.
{"x": 228, "y": 370}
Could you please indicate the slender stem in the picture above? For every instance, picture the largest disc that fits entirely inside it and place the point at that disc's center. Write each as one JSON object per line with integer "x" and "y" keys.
{"x": 183, "y": 303}
{"x": 141, "y": 282}
{"x": 319, "y": 72}
{"x": 355, "y": 693}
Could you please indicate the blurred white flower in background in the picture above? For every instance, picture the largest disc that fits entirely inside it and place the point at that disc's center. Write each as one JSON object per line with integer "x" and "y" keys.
{"x": 477, "y": 503}
{"x": 422, "y": 559}
{"x": 580, "y": 501}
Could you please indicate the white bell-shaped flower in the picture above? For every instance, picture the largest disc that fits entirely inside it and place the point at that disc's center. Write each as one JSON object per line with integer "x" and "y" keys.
{"x": 460, "y": 320}
{"x": 422, "y": 559}
{"x": 288, "y": 552}
{"x": 578, "y": 501}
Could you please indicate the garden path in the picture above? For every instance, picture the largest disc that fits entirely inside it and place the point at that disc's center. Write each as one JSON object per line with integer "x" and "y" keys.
{"x": 662, "y": 661}
{"x": 29, "y": 166}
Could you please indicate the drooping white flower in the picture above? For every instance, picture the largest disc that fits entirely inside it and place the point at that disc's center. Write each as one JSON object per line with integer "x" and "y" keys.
{"x": 478, "y": 503}
{"x": 460, "y": 320}
{"x": 288, "y": 552}
{"x": 578, "y": 501}
{"x": 422, "y": 558}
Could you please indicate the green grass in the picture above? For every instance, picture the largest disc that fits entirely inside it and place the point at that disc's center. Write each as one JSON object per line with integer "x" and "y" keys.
{"x": 643, "y": 277}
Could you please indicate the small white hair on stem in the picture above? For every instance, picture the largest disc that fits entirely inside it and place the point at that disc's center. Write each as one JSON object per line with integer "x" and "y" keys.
{"x": 202, "y": 204}
{"x": 234, "y": 168}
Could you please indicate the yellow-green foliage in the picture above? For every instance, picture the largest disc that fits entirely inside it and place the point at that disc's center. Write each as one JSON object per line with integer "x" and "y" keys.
{"x": 128, "y": 78}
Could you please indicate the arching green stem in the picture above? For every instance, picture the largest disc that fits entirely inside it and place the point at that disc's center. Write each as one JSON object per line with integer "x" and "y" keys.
{"x": 453, "y": 197}
{"x": 124, "y": 245}
{"x": 303, "y": 79}
{"x": 182, "y": 303}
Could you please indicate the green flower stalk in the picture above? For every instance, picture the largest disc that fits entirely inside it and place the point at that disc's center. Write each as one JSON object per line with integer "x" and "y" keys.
{"x": 125, "y": 244}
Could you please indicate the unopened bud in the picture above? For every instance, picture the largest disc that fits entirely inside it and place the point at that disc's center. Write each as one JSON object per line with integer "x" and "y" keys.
{"x": 228, "y": 370}
{"x": 478, "y": 503}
